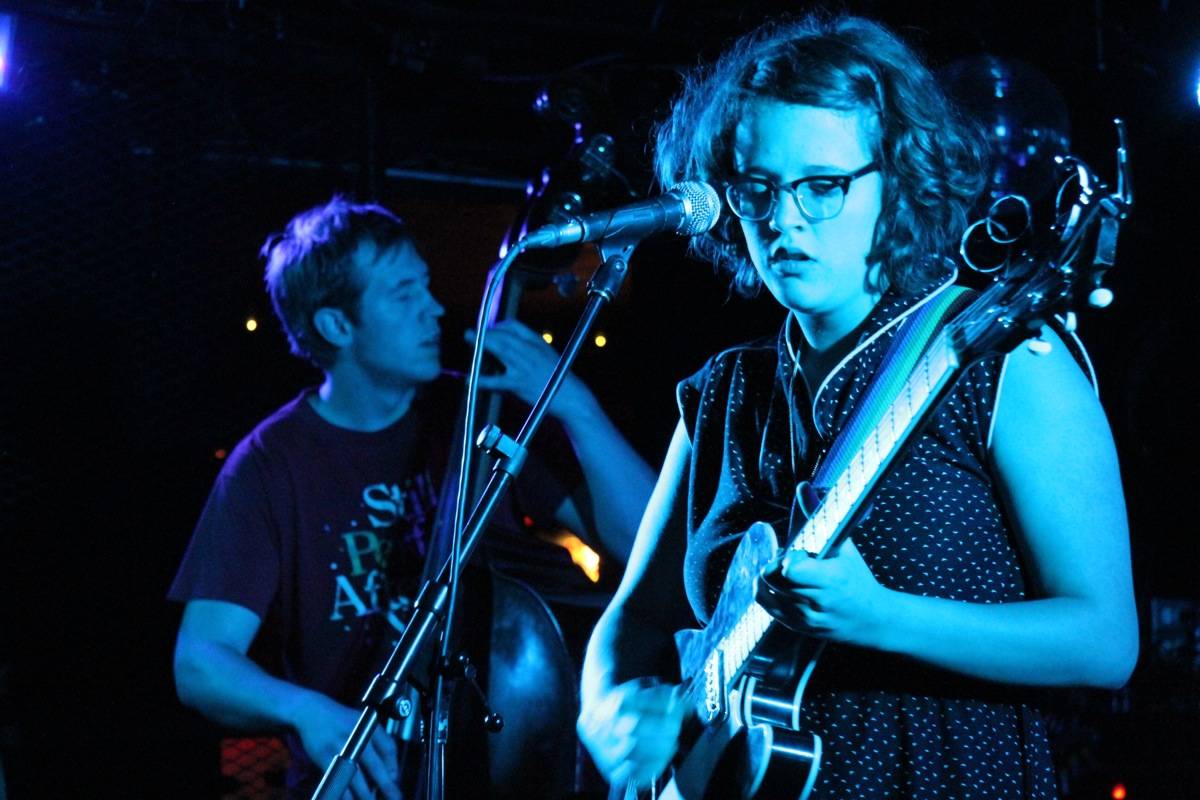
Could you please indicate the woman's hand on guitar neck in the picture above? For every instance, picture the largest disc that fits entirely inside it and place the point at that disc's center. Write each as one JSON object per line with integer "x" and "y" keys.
{"x": 632, "y": 732}
{"x": 835, "y": 598}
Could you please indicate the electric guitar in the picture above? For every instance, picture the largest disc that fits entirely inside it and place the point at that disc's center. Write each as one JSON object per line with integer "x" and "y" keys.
{"x": 744, "y": 675}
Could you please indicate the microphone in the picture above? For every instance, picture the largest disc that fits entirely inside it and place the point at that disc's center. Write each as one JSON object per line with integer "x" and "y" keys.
{"x": 687, "y": 209}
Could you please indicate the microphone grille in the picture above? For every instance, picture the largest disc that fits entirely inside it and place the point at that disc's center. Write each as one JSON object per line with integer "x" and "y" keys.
{"x": 701, "y": 207}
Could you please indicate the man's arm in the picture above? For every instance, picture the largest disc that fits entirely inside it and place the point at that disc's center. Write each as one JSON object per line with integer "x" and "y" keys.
{"x": 619, "y": 482}
{"x": 214, "y": 675}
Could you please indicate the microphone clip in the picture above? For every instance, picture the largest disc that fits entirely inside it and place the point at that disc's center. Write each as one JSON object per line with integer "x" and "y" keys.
{"x": 460, "y": 668}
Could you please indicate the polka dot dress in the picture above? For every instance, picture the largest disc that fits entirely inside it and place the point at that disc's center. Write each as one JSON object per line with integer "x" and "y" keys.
{"x": 891, "y": 728}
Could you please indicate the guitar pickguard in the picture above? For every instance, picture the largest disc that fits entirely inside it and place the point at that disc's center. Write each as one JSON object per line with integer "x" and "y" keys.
{"x": 758, "y": 546}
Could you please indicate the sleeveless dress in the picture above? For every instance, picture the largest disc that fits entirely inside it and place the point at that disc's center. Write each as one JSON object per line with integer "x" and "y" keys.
{"x": 890, "y": 726}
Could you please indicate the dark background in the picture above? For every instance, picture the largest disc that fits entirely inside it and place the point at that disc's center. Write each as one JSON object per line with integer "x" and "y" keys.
{"x": 147, "y": 149}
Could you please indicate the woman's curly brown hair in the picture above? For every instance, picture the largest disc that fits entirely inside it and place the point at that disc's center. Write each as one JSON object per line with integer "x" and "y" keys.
{"x": 932, "y": 160}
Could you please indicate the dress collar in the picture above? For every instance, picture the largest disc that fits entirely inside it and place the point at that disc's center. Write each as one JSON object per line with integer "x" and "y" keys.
{"x": 892, "y": 308}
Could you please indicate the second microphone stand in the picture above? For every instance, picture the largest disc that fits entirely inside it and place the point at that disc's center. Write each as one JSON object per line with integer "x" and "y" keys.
{"x": 433, "y": 606}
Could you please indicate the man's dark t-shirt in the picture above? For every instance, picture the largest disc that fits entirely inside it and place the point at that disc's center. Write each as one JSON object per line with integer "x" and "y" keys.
{"x": 322, "y": 533}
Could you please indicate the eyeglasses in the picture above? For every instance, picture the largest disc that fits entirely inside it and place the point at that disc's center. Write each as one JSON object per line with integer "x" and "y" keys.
{"x": 818, "y": 197}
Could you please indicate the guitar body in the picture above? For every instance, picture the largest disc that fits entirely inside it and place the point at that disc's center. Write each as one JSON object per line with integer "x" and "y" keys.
{"x": 750, "y": 744}
{"x": 735, "y": 760}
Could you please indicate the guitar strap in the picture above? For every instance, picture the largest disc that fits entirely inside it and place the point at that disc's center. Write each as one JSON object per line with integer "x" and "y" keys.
{"x": 907, "y": 347}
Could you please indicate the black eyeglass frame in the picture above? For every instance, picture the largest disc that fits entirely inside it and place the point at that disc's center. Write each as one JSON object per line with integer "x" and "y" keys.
{"x": 842, "y": 181}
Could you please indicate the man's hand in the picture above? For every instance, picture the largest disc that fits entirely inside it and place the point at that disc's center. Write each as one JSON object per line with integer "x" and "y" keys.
{"x": 528, "y": 362}
{"x": 324, "y": 725}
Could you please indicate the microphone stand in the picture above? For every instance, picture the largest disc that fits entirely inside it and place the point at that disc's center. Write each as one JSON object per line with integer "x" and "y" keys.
{"x": 433, "y": 608}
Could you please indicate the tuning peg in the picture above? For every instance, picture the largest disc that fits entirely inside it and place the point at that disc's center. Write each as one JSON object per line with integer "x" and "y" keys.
{"x": 1070, "y": 322}
{"x": 1039, "y": 346}
{"x": 1124, "y": 175}
{"x": 1100, "y": 297}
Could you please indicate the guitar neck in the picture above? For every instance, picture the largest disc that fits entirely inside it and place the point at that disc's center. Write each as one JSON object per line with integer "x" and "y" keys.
{"x": 931, "y": 376}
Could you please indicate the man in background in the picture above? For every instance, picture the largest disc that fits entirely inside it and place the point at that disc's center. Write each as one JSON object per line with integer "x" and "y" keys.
{"x": 314, "y": 537}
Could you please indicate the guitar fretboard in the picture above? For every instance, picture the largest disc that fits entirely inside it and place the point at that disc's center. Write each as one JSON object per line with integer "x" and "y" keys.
{"x": 931, "y": 373}
{"x": 879, "y": 446}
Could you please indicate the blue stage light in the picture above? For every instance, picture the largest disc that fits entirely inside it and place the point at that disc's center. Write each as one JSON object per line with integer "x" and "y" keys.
{"x": 8, "y": 24}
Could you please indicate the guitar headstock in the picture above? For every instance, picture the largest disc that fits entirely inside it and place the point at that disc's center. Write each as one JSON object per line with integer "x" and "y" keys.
{"x": 1046, "y": 271}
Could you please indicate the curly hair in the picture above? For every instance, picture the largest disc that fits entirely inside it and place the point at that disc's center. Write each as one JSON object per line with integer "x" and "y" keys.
{"x": 933, "y": 161}
{"x": 311, "y": 265}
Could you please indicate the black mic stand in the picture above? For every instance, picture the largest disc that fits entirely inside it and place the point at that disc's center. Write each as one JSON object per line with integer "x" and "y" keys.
{"x": 432, "y": 607}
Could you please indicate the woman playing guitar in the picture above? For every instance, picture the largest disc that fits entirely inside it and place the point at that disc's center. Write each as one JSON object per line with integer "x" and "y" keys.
{"x": 995, "y": 554}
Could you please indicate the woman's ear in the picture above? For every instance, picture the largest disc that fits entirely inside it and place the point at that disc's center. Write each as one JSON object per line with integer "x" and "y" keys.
{"x": 333, "y": 325}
